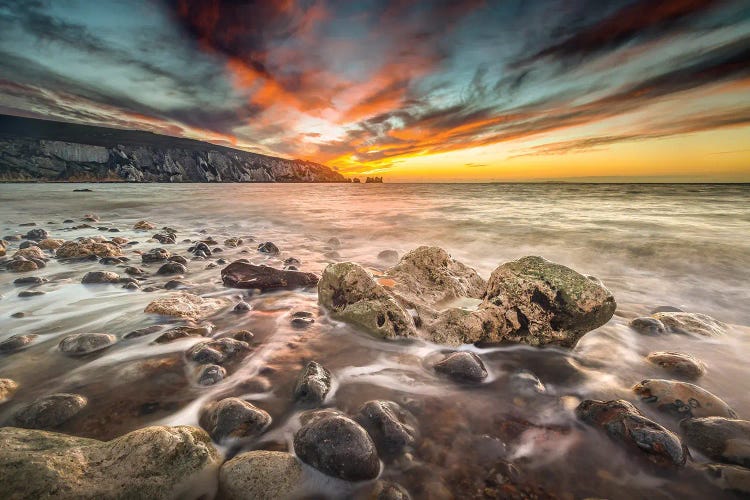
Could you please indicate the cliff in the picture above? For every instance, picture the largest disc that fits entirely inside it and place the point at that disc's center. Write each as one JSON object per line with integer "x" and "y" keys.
{"x": 41, "y": 150}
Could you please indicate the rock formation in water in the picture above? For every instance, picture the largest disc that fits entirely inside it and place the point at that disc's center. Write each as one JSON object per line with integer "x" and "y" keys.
{"x": 40, "y": 150}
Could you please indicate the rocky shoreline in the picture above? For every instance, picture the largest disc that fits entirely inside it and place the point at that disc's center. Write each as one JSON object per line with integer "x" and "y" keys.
{"x": 668, "y": 425}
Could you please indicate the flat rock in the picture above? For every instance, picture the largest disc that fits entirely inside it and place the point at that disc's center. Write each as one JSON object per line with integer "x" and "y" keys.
{"x": 153, "y": 462}
{"x": 682, "y": 399}
{"x": 337, "y": 446}
{"x": 679, "y": 364}
{"x": 233, "y": 418}
{"x": 16, "y": 342}
{"x": 626, "y": 425}
{"x": 243, "y": 275}
{"x": 723, "y": 439}
{"x": 185, "y": 305}
{"x": 182, "y": 332}
{"x": 100, "y": 277}
{"x": 648, "y": 326}
{"x": 51, "y": 244}
{"x": 691, "y": 323}
{"x": 21, "y": 266}
{"x": 79, "y": 344}
{"x": 313, "y": 384}
{"x": 261, "y": 475}
{"x": 48, "y": 412}
{"x": 393, "y": 428}
{"x": 30, "y": 280}
{"x": 462, "y": 366}
{"x": 85, "y": 248}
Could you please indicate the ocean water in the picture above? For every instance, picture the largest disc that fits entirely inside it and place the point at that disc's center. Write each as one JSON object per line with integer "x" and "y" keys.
{"x": 685, "y": 246}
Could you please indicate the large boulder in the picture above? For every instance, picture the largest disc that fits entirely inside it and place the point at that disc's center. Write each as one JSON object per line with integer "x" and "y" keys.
{"x": 626, "y": 425}
{"x": 153, "y": 462}
{"x": 244, "y": 275}
{"x": 723, "y": 439}
{"x": 682, "y": 399}
{"x": 85, "y": 248}
{"x": 185, "y": 305}
{"x": 261, "y": 475}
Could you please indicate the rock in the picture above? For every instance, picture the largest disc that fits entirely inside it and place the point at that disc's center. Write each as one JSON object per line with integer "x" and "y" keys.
{"x": 175, "y": 285}
{"x": 462, "y": 366}
{"x": 3, "y": 248}
{"x": 233, "y": 418}
{"x": 119, "y": 240}
{"x": 96, "y": 277}
{"x": 153, "y": 462}
{"x": 682, "y": 399}
{"x": 179, "y": 259}
{"x": 313, "y": 384}
{"x": 292, "y": 261}
{"x": 691, "y": 323}
{"x": 155, "y": 255}
{"x": 85, "y": 343}
{"x": 386, "y": 490}
{"x": 85, "y": 248}
{"x": 48, "y": 412}
{"x": 16, "y": 343}
{"x": 134, "y": 271}
{"x": 200, "y": 249}
{"x": 131, "y": 285}
{"x": 268, "y": 248}
{"x": 143, "y": 225}
{"x": 303, "y": 322}
{"x": 185, "y": 305}
{"x": 679, "y": 364}
{"x": 30, "y": 280}
{"x": 660, "y": 309}
{"x": 339, "y": 447}
{"x": 243, "y": 275}
{"x": 625, "y": 424}
{"x": 648, "y": 326}
{"x": 244, "y": 335}
{"x": 388, "y": 256}
{"x": 728, "y": 477}
{"x": 31, "y": 252}
{"x": 393, "y": 428}
{"x": 241, "y": 307}
{"x": 261, "y": 475}
{"x": 526, "y": 384}
{"x": 233, "y": 242}
{"x": 165, "y": 238}
{"x": 217, "y": 351}
{"x": 141, "y": 332}
{"x": 110, "y": 261}
{"x": 31, "y": 293}
{"x": 21, "y": 266}
{"x": 723, "y": 439}
{"x": 8, "y": 387}
{"x": 182, "y": 332}
{"x": 91, "y": 218}
{"x": 334, "y": 242}
{"x": 211, "y": 374}
{"x": 37, "y": 235}
{"x": 351, "y": 294}
{"x": 51, "y": 244}
{"x": 172, "y": 268}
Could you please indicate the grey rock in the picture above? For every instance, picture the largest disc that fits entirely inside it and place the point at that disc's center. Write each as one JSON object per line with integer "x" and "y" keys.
{"x": 243, "y": 275}
{"x": 393, "y": 428}
{"x": 233, "y": 418}
{"x": 211, "y": 374}
{"x": 16, "y": 342}
{"x": 155, "y": 255}
{"x": 48, "y": 412}
{"x": 79, "y": 344}
{"x": 313, "y": 384}
{"x": 179, "y": 259}
{"x": 241, "y": 307}
{"x": 31, "y": 293}
{"x": 723, "y": 439}
{"x": 648, "y": 326}
{"x": 388, "y": 256}
{"x": 525, "y": 383}
{"x": 387, "y": 490}
{"x": 728, "y": 477}
{"x": 37, "y": 235}
{"x": 99, "y": 277}
{"x": 268, "y": 248}
{"x": 462, "y": 366}
{"x": 217, "y": 351}
{"x": 171, "y": 268}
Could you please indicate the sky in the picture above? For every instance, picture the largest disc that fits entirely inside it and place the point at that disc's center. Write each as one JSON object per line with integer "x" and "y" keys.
{"x": 435, "y": 90}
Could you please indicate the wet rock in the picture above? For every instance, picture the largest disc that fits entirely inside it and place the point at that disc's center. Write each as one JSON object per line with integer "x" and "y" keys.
{"x": 8, "y": 387}
{"x": 393, "y": 428}
{"x": 682, "y": 399}
{"x": 462, "y": 366}
{"x": 526, "y": 384}
{"x": 313, "y": 384}
{"x": 3, "y": 248}
{"x": 79, "y": 344}
{"x": 171, "y": 268}
{"x": 244, "y": 335}
{"x": 185, "y": 305}
{"x": 217, "y": 351}
{"x": 291, "y": 261}
{"x": 134, "y": 271}
{"x": 179, "y": 259}
{"x": 261, "y": 475}
{"x": 386, "y": 490}
{"x": 243, "y": 275}
{"x": 21, "y": 265}
{"x": 691, "y": 323}
{"x": 51, "y": 244}
{"x": 19, "y": 314}
{"x": 351, "y": 294}
{"x": 211, "y": 374}
{"x": 28, "y": 244}
{"x": 30, "y": 280}
{"x": 48, "y": 412}
{"x": 96, "y": 277}
{"x": 222, "y": 261}
{"x": 648, "y": 326}
{"x": 233, "y": 418}
{"x": 12, "y": 237}
{"x": 388, "y": 256}
{"x": 119, "y": 240}
{"x": 37, "y": 234}
{"x": 143, "y": 225}
{"x": 175, "y": 285}
{"x": 16, "y": 342}
{"x": 728, "y": 477}
{"x": 165, "y": 238}
{"x": 679, "y": 364}
{"x": 91, "y": 218}
{"x": 31, "y": 293}
{"x": 660, "y": 309}
{"x": 141, "y": 332}
{"x": 241, "y": 307}
{"x": 233, "y": 242}
{"x": 153, "y": 462}
{"x": 302, "y": 322}
{"x": 723, "y": 439}
{"x": 110, "y": 261}
{"x": 182, "y": 332}
{"x": 334, "y": 242}
{"x": 200, "y": 249}
{"x": 625, "y": 424}
{"x": 31, "y": 252}
{"x": 339, "y": 447}
{"x": 155, "y": 255}
{"x": 268, "y": 248}
{"x": 85, "y": 248}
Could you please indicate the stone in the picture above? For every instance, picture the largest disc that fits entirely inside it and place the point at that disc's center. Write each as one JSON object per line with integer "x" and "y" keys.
{"x": 85, "y": 248}
{"x": 268, "y": 248}
{"x": 241, "y": 307}
{"x": 233, "y": 418}
{"x": 526, "y": 384}
{"x": 182, "y": 332}
{"x": 134, "y": 271}
{"x": 691, "y": 323}
{"x": 185, "y": 305}
{"x": 388, "y": 256}
{"x": 32, "y": 252}
{"x": 175, "y": 285}
{"x": 155, "y": 255}
{"x": 98, "y": 277}
{"x": 302, "y": 322}
{"x": 626, "y": 425}
{"x": 37, "y": 234}
{"x": 648, "y": 326}
{"x": 111, "y": 261}
{"x": 171, "y": 268}
{"x": 3, "y": 248}
{"x": 8, "y": 387}
{"x": 141, "y": 332}
{"x": 143, "y": 225}
{"x": 200, "y": 249}
{"x": 462, "y": 366}
{"x": 682, "y": 399}
{"x": 165, "y": 238}
{"x": 728, "y": 477}
{"x": 211, "y": 374}
{"x": 179, "y": 259}
{"x": 48, "y": 412}
{"x": 292, "y": 261}
{"x": 80, "y": 344}
{"x": 16, "y": 342}
{"x": 678, "y": 364}
{"x": 392, "y": 428}
{"x": 31, "y": 293}
{"x": 51, "y": 244}
{"x": 30, "y": 280}
{"x": 313, "y": 384}
{"x": 243, "y": 275}
{"x": 217, "y": 351}
{"x": 233, "y": 242}
{"x": 21, "y": 266}
{"x": 387, "y": 490}
{"x": 153, "y": 462}
{"x": 724, "y": 439}
{"x": 337, "y": 446}
{"x": 261, "y": 475}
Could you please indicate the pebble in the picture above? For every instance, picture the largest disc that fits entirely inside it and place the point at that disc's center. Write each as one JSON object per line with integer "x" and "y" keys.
{"x": 313, "y": 384}
{"x": 462, "y": 366}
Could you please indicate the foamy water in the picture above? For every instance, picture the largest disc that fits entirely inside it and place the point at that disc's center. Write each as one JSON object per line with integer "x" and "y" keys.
{"x": 653, "y": 245}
